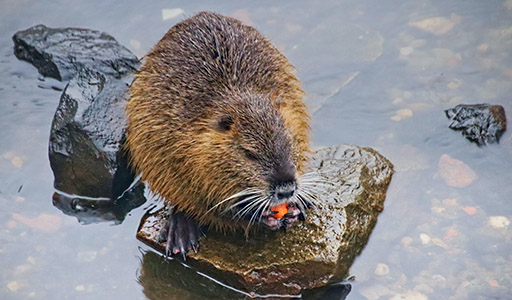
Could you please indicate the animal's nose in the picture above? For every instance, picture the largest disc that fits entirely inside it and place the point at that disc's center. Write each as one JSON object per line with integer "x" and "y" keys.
{"x": 285, "y": 190}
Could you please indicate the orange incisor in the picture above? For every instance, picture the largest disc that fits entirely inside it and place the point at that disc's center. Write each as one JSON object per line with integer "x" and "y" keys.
{"x": 280, "y": 210}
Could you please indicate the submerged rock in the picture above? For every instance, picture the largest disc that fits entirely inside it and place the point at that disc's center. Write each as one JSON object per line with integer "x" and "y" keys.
{"x": 311, "y": 254}
{"x": 86, "y": 137}
{"x": 62, "y": 52}
{"x": 479, "y": 123}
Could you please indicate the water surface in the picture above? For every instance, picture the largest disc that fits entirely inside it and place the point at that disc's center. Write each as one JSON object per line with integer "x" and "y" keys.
{"x": 377, "y": 74}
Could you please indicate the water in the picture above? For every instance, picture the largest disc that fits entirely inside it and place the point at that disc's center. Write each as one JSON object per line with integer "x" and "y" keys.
{"x": 377, "y": 73}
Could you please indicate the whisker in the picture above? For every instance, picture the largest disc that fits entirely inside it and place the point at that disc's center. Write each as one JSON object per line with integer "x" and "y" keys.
{"x": 263, "y": 204}
{"x": 306, "y": 204}
{"x": 315, "y": 180}
{"x": 309, "y": 194}
{"x": 323, "y": 183}
{"x": 313, "y": 190}
{"x": 310, "y": 174}
{"x": 250, "y": 198}
{"x": 305, "y": 195}
{"x": 246, "y": 209}
{"x": 239, "y": 194}
{"x": 243, "y": 193}
{"x": 267, "y": 204}
{"x": 301, "y": 203}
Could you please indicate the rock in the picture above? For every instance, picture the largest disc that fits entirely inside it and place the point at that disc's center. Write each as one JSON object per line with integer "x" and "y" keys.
{"x": 410, "y": 295}
{"x": 406, "y": 51}
{"x": 62, "y": 52}
{"x": 432, "y": 58}
{"x": 88, "y": 128}
{"x": 86, "y": 137}
{"x": 312, "y": 253}
{"x": 80, "y": 288}
{"x": 381, "y": 269}
{"x": 455, "y": 172}
{"x": 470, "y": 210}
{"x": 499, "y": 222}
{"x": 44, "y": 222}
{"x": 13, "y": 286}
{"x": 402, "y": 114}
{"x": 425, "y": 238}
{"x": 437, "y": 25}
{"x": 479, "y": 123}
{"x": 374, "y": 292}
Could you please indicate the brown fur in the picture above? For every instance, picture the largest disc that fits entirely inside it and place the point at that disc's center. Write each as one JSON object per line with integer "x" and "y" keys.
{"x": 204, "y": 68}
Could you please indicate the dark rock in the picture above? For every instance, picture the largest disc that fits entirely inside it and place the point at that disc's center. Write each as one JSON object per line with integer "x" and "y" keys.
{"x": 311, "y": 254}
{"x": 479, "y": 123}
{"x": 62, "y": 52}
{"x": 86, "y": 137}
{"x": 88, "y": 129}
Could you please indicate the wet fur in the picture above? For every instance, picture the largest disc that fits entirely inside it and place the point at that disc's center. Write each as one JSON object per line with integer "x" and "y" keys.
{"x": 204, "y": 68}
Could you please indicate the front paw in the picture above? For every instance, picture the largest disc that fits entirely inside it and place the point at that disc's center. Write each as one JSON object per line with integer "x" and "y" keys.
{"x": 180, "y": 234}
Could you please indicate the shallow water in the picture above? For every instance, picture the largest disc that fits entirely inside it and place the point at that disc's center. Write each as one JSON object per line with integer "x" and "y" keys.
{"x": 377, "y": 74}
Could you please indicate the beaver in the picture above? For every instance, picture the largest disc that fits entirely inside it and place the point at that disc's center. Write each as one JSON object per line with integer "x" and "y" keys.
{"x": 218, "y": 129}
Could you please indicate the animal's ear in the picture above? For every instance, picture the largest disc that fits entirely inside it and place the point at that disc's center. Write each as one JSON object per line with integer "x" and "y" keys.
{"x": 224, "y": 123}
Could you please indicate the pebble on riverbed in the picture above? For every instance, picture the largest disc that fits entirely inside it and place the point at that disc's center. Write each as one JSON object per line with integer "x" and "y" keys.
{"x": 455, "y": 172}
{"x": 437, "y": 25}
{"x": 499, "y": 222}
{"x": 44, "y": 222}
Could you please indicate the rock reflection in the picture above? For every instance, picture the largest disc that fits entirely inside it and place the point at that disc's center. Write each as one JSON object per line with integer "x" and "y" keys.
{"x": 172, "y": 279}
{"x": 96, "y": 210}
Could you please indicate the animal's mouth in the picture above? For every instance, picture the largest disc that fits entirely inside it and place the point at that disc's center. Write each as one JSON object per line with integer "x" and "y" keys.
{"x": 272, "y": 211}
{"x": 281, "y": 216}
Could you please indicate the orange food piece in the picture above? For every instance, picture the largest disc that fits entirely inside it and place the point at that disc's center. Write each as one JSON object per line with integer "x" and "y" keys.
{"x": 281, "y": 210}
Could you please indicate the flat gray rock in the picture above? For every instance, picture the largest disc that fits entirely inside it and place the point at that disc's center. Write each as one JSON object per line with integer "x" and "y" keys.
{"x": 311, "y": 254}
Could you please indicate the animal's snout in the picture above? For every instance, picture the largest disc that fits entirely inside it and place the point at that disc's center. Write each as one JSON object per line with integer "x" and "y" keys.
{"x": 285, "y": 190}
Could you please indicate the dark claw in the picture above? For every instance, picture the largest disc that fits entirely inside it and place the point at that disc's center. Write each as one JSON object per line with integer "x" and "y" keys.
{"x": 284, "y": 224}
{"x": 180, "y": 235}
{"x": 194, "y": 247}
{"x": 162, "y": 235}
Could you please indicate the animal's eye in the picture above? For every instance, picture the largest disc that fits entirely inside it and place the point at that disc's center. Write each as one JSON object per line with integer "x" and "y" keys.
{"x": 225, "y": 122}
{"x": 250, "y": 155}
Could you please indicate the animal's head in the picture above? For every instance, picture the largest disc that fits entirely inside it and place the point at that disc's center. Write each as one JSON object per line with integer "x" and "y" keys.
{"x": 246, "y": 152}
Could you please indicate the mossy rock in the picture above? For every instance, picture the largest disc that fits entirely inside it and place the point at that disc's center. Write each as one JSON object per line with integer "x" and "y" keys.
{"x": 312, "y": 253}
